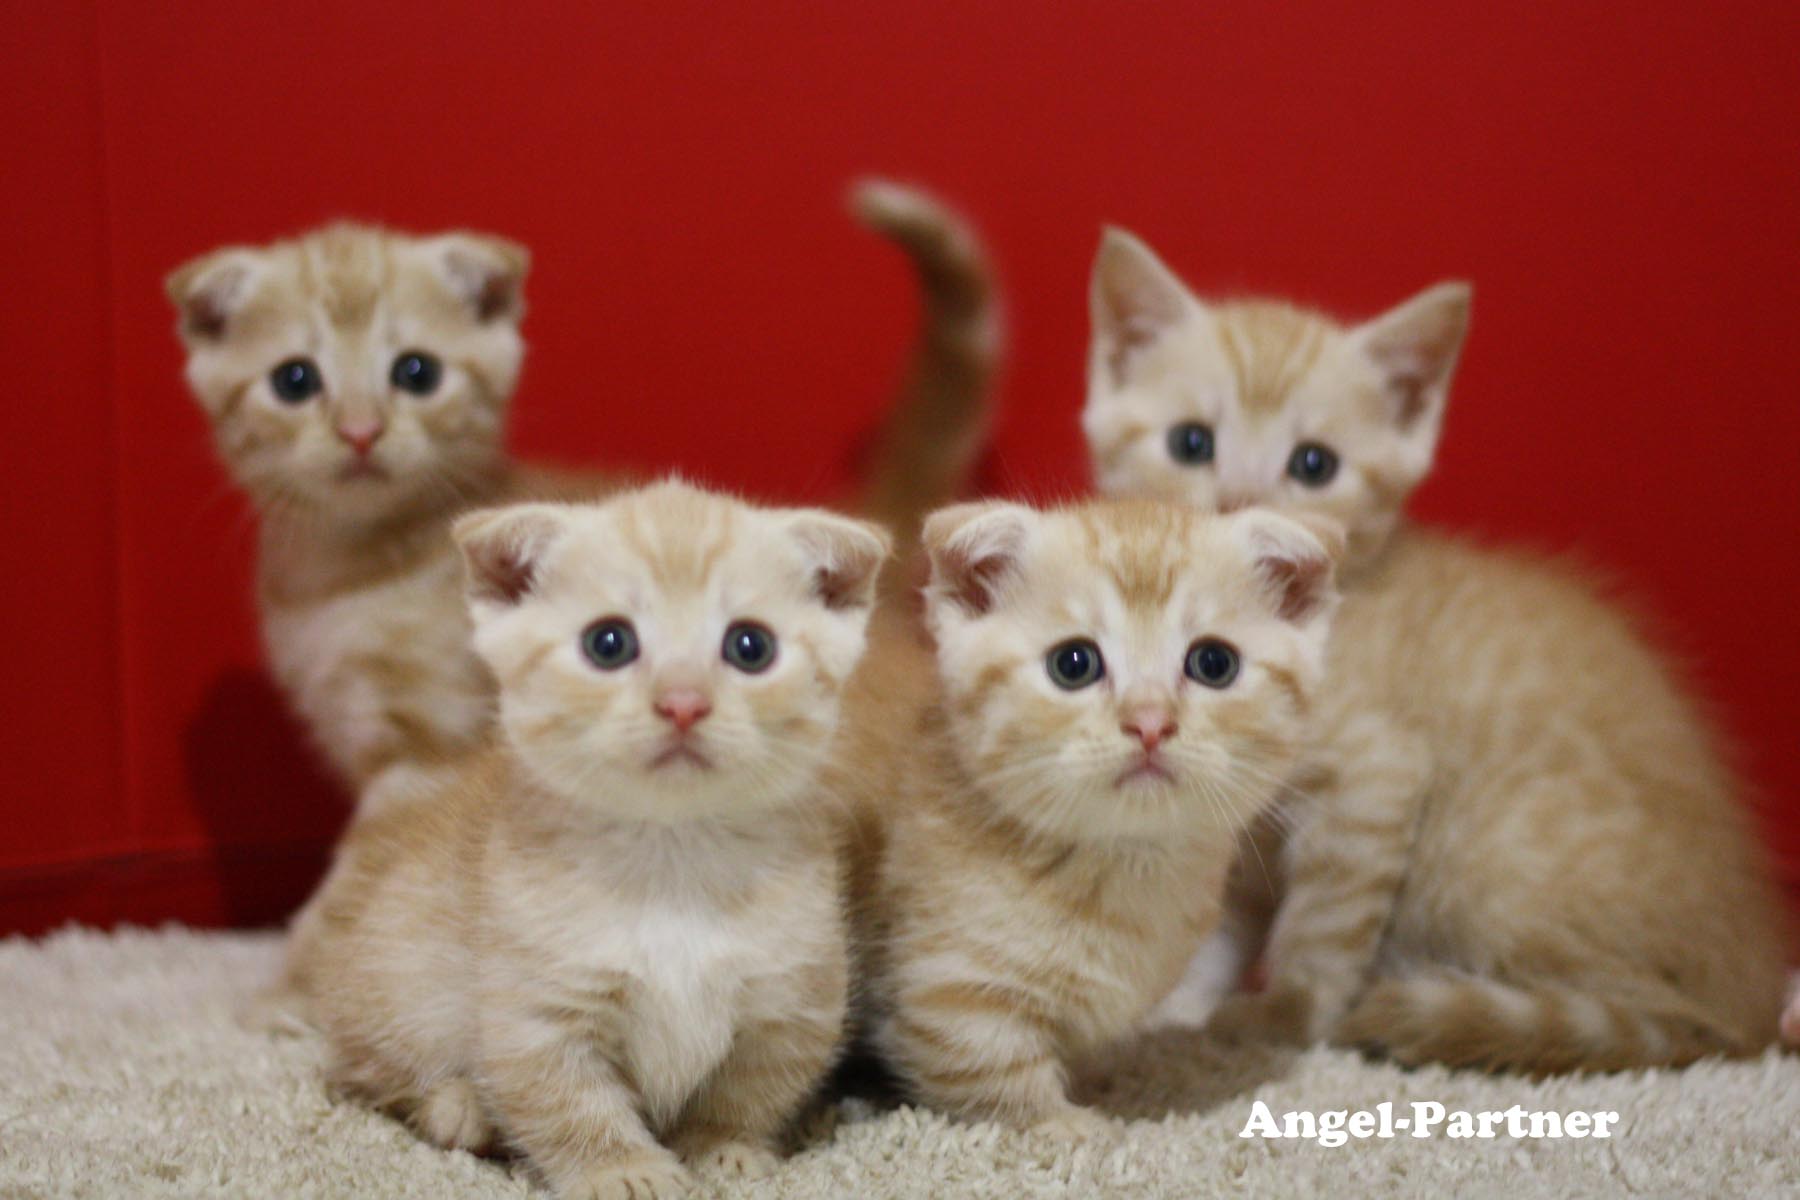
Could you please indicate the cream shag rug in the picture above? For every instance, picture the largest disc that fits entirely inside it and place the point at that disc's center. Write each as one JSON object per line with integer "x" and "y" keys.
{"x": 123, "y": 1073}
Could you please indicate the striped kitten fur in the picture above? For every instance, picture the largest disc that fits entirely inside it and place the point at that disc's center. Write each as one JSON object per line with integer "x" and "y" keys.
{"x": 1513, "y": 844}
{"x": 358, "y": 382}
{"x": 1038, "y": 860}
{"x": 615, "y": 942}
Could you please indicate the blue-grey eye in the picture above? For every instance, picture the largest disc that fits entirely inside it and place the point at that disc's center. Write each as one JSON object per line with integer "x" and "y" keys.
{"x": 296, "y": 380}
{"x": 1212, "y": 662}
{"x": 1312, "y": 464}
{"x": 609, "y": 644}
{"x": 1074, "y": 664}
{"x": 417, "y": 372}
{"x": 1191, "y": 443}
{"x": 749, "y": 647}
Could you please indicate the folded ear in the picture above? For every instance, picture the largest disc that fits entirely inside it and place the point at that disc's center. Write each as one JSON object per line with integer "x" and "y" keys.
{"x": 208, "y": 290}
{"x": 487, "y": 272}
{"x": 1416, "y": 346}
{"x": 1132, "y": 300}
{"x": 845, "y": 556}
{"x": 974, "y": 548}
{"x": 503, "y": 548}
{"x": 1295, "y": 560}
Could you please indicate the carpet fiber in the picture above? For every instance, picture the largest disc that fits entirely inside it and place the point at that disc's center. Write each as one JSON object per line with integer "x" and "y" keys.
{"x": 122, "y": 1073}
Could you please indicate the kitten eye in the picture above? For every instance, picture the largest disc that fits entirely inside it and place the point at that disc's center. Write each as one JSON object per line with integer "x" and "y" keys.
{"x": 1312, "y": 464}
{"x": 416, "y": 372}
{"x": 749, "y": 647}
{"x": 1191, "y": 443}
{"x": 610, "y": 644}
{"x": 296, "y": 380}
{"x": 1212, "y": 662}
{"x": 1074, "y": 664}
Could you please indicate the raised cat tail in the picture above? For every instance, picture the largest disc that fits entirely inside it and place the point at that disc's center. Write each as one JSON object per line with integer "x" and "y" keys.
{"x": 1465, "y": 1020}
{"x": 934, "y": 433}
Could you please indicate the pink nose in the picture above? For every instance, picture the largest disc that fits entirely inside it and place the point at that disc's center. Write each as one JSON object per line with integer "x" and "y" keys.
{"x": 1150, "y": 726}
{"x": 682, "y": 707}
{"x": 361, "y": 435}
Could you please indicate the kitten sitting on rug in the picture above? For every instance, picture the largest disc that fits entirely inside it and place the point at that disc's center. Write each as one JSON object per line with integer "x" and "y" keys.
{"x": 358, "y": 381}
{"x": 618, "y": 935}
{"x": 1513, "y": 844}
{"x": 1049, "y": 811}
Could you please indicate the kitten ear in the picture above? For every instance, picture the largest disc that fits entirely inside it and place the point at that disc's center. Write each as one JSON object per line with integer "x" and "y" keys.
{"x": 973, "y": 548}
{"x": 1416, "y": 346}
{"x": 1132, "y": 300}
{"x": 209, "y": 289}
{"x": 845, "y": 556}
{"x": 1296, "y": 558}
{"x": 502, "y": 548}
{"x": 487, "y": 272}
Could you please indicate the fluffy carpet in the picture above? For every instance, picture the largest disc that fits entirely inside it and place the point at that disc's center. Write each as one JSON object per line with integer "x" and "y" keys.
{"x": 123, "y": 1073}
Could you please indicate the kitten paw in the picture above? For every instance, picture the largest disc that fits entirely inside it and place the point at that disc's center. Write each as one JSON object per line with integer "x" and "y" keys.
{"x": 1075, "y": 1126}
{"x": 452, "y": 1117}
{"x": 642, "y": 1177}
{"x": 280, "y": 1011}
{"x": 1282, "y": 1015}
{"x": 732, "y": 1159}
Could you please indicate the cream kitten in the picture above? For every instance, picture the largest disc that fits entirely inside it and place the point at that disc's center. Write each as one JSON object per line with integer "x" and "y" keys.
{"x": 1050, "y": 814}
{"x": 1513, "y": 844}
{"x": 358, "y": 382}
{"x": 622, "y": 927}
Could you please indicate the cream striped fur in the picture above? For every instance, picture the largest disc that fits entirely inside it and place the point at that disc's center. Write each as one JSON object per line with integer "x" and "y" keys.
{"x": 614, "y": 943}
{"x": 1514, "y": 843}
{"x": 1029, "y": 882}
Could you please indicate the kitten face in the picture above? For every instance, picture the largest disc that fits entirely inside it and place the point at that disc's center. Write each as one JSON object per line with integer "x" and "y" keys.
{"x": 353, "y": 373}
{"x": 1126, "y": 670}
{"x": 1225, "y": 406}
{"x": 670, "y": 654}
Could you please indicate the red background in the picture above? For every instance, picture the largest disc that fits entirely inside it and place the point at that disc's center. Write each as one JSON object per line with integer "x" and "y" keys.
{"x": 1621, "y": 185}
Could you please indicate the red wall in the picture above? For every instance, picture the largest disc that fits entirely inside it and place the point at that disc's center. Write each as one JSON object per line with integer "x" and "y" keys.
{"x": 1621, "y": 185}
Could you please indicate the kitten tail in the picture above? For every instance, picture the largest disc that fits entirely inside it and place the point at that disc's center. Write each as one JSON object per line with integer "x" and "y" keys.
{"x": 1536, "y": 1029}
{"x": 933, "y": 435}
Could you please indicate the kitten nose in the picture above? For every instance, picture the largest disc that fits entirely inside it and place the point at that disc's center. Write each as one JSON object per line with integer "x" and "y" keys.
{"x": 1150, "y": 726}
{"x": 361, "y": 435}
{"x": 682, "y": 707}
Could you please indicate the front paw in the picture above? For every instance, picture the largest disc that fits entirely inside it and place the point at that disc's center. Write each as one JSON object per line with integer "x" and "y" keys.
{"x": 731, "y": 1157}
{"x": 654, "y": 1175}
{"x": 1281, "y": 1015}
{"x": 1075, "y": 1125}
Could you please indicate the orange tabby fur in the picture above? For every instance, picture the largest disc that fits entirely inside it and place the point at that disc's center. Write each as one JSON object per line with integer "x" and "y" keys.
{"x": 1514, "y": 844}
{"x": 614, "y": 939}
{"x": 1028, "y": 887}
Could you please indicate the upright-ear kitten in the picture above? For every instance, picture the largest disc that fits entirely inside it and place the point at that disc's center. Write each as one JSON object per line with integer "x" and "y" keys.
{"x": 1054, "y": 804}
{"x": 618, "y": 936}
{"x": 1519, "y": 848}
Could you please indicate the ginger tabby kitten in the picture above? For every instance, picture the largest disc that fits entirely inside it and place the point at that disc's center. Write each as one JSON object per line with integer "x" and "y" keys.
{"x": 1049, "y": 810}
{"x": 1514, "y": 844}
{"x": 358, "y": 382}
{"x": 618, "y": 936}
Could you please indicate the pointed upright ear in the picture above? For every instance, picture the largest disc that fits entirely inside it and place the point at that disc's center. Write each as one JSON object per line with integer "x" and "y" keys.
{"x": 974, "y": 548}
{"x": 209, "y": 289}
{"x": 503, "y": 548}
{"x": 487, "y": 272}
{"x": 1132, "y": 300}
{"x": 1295, "y": 560}
{"x": 844, "y": 556}
{"x": 1416, "y": 346}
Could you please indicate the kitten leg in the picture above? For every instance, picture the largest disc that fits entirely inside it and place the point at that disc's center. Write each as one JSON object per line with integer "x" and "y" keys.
{"x": 1219, "y": 966}
{"x": 1344, "y": 865}
{"x": 985, "y": 1052}
{"x": 732, "y": 1124}
{"x": 566, "y": 1107}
